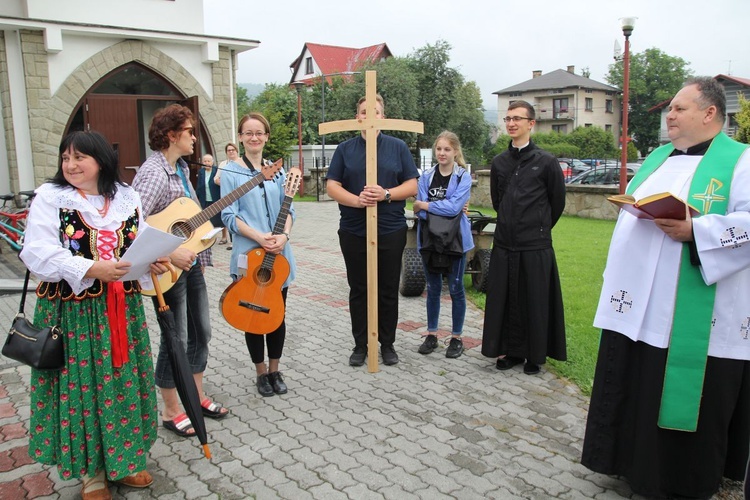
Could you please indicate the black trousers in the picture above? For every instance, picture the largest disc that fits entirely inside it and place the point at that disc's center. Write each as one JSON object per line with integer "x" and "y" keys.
{"x": 274, "y": 340}
{"x": 390, "y": 249}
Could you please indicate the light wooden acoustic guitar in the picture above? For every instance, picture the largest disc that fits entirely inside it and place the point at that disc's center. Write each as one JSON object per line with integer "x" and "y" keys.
{"x": 254, "y": 303}
{"x": 184, "y": 217}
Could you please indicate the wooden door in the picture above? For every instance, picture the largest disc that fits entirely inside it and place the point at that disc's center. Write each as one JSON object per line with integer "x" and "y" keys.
{"x": 117, "y": 119}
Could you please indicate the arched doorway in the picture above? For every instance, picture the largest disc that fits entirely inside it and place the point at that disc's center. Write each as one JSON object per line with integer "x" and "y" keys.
{"x": 120, "y": 106}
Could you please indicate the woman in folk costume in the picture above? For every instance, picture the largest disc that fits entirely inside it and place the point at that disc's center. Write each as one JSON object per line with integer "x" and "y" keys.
{"x": 96, "y": 417}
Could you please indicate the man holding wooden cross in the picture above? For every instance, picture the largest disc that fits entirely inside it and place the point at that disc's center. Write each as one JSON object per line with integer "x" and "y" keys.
{"x": 396, "y": 180}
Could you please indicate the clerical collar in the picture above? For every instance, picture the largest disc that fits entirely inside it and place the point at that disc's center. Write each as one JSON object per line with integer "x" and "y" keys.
{"x": 521, "y": 148}
{"x": 697, "y": 150}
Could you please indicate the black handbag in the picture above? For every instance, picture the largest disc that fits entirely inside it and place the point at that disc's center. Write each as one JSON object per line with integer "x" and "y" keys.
{"x": 40, "y": 348}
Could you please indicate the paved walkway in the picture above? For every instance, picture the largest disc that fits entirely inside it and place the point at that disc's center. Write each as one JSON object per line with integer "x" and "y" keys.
{"x": 429, "y": 427}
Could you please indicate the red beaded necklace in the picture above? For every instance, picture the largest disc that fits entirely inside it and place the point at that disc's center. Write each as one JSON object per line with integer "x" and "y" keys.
{"x": 102, "y": 211}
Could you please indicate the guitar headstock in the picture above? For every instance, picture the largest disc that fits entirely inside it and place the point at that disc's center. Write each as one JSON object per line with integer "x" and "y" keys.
{"x": 269, "y": 171}
{"x": 293, "y": 179}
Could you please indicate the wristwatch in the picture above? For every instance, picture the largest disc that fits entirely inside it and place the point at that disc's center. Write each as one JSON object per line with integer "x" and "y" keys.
{"x": 387, "y": 196}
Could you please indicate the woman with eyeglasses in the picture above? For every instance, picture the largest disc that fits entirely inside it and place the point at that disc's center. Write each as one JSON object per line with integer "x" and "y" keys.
{"x": 232, "y": 155}
{"x": 251, "y": 220}
{"x": 163, "y": 178}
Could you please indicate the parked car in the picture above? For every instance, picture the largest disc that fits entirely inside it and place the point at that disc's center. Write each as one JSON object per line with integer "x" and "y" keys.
{"x": 576, "y": 166}
{"x": 601, "y": 176}
{"x": 567, "y": 170}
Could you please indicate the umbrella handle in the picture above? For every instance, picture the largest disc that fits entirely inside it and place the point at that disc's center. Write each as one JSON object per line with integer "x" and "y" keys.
{"x": 157, "y": 286}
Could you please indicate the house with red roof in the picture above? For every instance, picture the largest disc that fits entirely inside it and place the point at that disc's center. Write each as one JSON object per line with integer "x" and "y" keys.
{"x": 330, "y": 60}
{"x": 733, "y": 87}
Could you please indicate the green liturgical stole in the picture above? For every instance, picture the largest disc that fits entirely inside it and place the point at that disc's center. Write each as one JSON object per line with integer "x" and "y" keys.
{"x": 694, "y": 303}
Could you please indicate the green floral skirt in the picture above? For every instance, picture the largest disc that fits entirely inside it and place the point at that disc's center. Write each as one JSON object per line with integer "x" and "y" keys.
{"x": 90, "y": 416}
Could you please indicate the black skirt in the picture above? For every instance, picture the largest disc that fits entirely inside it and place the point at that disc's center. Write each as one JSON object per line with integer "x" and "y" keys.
{"x": 622, "y": 437}
{"x": 524, "y": 315}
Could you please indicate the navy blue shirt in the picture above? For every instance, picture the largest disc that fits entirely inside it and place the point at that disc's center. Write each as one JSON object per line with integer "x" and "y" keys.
{"x": 395, "y": 166}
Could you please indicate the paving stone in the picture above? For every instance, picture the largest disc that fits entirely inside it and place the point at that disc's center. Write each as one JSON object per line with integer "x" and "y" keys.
{"x": 426, "y": 428}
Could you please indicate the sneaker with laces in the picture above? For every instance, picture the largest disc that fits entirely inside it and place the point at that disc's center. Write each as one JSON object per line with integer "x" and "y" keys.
{"x": 359, "y": 353}
{"x": 430, "y": 344}
{"x": 455, "y": 348}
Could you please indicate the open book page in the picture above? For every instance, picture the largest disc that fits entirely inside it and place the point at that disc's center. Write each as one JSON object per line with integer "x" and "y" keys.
{"x": 150, "y": 244}
{"x": 656, "y": 206}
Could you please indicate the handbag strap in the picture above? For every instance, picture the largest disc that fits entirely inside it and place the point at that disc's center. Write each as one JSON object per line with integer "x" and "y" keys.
{"x": 25, "y": 289}
{"x": 22, "y": 304}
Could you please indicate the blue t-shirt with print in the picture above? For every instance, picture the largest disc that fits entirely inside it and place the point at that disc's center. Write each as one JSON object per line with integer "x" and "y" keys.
{"x": 395, "y": 166}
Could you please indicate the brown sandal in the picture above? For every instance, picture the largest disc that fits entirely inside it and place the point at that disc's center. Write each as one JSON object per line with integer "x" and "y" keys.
{"x": 141, "y": 479}
{"x": 98, "y": 494}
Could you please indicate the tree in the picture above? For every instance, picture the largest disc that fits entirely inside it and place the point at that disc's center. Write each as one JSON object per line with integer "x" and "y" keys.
{"x": 593, "y": 142}
{"x": 654, "y": 78}
{"x": 243, "y": 101}
{"x": 447, "y": 102}
{"x": 743, "y": 119}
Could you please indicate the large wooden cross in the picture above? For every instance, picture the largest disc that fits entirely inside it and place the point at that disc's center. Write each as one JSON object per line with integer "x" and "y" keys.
{"x": 371, "y": 125}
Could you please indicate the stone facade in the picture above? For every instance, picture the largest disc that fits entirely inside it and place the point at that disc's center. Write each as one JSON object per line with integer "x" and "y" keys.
{"x": 49, "y": 115}
{"x": 7, "y": 113}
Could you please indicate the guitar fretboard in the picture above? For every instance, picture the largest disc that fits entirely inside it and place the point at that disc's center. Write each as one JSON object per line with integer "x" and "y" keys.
{"x": 205, "y": 215}
{"x": 278, "y": 228}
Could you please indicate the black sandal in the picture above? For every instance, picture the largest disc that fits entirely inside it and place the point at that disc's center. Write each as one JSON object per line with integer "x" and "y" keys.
{"x": 180, "y": 425}
{"x": 212, "y": 409}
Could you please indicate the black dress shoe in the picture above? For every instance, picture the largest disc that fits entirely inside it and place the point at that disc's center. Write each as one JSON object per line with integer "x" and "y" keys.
{"x": 530, "y": 368}
{"x": 279, "y": 387}
{"x": 389, "y": 354}
{"x": 358, "y": 356}
{"x": 264, "y": 386}
{"x": 508, "y": 362}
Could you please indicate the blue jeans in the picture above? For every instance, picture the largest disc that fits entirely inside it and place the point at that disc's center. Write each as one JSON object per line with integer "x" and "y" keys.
{"x": 458, "y": 296}
{"x": 188, "y": 301}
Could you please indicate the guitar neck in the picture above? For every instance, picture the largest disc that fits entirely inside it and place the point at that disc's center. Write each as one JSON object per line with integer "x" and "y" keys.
{"x": 278, "y": 228}
{"x": 205, "y": 215}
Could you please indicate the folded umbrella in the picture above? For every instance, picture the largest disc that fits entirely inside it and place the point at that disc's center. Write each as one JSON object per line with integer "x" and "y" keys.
{"x": 183, "y": 375}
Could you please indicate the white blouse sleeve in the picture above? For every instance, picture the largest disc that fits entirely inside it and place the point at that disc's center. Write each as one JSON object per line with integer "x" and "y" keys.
{"x": 43, "y": 251}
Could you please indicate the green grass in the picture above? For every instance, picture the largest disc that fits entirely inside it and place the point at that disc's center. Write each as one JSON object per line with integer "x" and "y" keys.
{"x": 581, "y": 247}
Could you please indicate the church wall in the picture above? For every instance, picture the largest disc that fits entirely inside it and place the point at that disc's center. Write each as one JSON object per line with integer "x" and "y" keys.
{"x": 184, "y": 16}
{"x": 49, "y": 112}
{"x": 46, "y": 124}
{"x": 6, "y": 115}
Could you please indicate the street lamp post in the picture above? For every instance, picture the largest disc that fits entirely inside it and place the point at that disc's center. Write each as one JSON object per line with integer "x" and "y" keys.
{"x": 627, "y": 23}
{"x": 299, "y": 86}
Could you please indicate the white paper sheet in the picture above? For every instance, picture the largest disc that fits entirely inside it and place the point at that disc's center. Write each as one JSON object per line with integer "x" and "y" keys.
{"x": 149, "y": 245}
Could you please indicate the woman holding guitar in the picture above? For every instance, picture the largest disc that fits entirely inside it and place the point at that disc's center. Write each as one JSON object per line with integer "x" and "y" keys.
{"x": 251, "y": 220}
{"x": 163, "y": 178}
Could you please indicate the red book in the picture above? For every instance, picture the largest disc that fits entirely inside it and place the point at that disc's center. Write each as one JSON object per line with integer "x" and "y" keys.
{"x": 656, "y": 206}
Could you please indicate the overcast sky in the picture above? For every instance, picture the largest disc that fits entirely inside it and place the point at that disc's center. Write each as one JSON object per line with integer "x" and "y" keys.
{"x": 496, "y": 44}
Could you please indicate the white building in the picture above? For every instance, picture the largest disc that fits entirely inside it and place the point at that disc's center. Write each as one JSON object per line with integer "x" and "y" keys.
{"x": 106, "y": 65}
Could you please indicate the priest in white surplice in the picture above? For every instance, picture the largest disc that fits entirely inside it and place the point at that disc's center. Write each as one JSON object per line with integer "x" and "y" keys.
{"x": 670, "y": 407}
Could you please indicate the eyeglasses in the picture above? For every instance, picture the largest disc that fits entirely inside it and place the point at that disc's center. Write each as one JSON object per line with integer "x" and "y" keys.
{"x": 187, "y": 129}
{"x": 253, "y": 134}
{"x": 515, "y": 119}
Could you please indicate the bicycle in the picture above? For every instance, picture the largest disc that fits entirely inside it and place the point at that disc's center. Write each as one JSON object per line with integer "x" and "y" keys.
{"x": 12, "y": 236}
{"x": 13, "y": 220}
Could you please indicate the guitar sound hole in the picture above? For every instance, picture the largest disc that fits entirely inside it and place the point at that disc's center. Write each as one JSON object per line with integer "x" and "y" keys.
{"x": 264, "y": 275}
{"x": 181, "y": 229}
